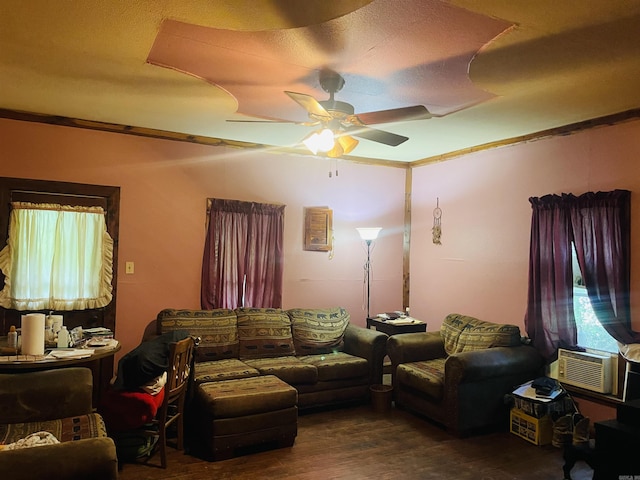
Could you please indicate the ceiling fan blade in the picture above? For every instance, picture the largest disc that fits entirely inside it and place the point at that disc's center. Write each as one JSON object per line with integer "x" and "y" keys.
{"x": 310, "y": 104}
{"x": 417, "y": 112}
{"x": 265, "y": 119}
{"x": 380, "y": 136}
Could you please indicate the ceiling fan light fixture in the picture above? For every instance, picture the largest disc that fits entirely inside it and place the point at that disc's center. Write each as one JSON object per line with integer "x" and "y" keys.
{"x": 336, "y": 151}
{"x": 320, "y": 141}
{"x": 344, "y": 144}
{"x": 347, "y": 142}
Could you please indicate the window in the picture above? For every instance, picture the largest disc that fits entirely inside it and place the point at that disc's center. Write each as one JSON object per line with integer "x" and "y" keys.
{"x": 243, "y": 255}
{"x": 74, "y": 195}
{"x": 591, "y": 333}
{"x": 597, "y": 227}
{"x": 56, "y": 258}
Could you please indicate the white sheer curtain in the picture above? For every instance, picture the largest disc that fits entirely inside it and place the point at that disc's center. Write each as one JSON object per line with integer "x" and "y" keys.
{"x": 57, "y": 257}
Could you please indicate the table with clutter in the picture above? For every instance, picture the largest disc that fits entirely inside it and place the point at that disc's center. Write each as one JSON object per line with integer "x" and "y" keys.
{"x": 37, "y": 350}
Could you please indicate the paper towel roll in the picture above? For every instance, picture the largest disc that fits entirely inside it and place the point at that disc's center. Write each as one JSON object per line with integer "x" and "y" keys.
{"x": 33, "y": 334}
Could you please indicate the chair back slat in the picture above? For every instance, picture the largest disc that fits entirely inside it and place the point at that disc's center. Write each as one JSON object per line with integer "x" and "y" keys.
{"x": 180, "y": 360}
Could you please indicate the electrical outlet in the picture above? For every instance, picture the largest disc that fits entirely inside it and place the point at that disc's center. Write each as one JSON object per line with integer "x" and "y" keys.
{"x": 128, "y": 268}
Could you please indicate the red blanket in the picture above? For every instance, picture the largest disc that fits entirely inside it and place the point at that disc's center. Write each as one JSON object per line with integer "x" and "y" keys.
{"x": 124, "y": 410}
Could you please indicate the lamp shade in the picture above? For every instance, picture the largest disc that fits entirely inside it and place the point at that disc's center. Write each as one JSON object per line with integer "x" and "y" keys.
{"x": 369, "y": 233}
{"x": 343, "y": 145}
{"x": 320, "y": 141}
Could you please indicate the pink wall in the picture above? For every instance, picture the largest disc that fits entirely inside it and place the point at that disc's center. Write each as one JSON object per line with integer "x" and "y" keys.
{"x": 481, "y": 267}
{"x": 164, "y": 186}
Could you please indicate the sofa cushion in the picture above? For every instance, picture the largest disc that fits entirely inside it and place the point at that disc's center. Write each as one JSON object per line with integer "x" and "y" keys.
{"x": 318, "y": 330}
{"x": 264, "y": 332}
{"x": 288, "y": 369}
{"x": 336, "y": 366}
{"x": 461, "y": 333}
{"x": 226, "y": 369}
{"x": 426, "y": 377}
{"x": 217, "y": 329}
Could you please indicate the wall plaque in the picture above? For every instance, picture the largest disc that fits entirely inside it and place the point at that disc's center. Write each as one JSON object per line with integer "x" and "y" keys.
{"x": 318, "y": 229}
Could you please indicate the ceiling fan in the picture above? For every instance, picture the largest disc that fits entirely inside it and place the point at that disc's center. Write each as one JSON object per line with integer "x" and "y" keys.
{"x": 339, "y": 122}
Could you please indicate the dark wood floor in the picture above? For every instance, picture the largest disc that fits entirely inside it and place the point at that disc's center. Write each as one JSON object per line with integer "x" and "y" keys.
{"x": 357, "y": 443}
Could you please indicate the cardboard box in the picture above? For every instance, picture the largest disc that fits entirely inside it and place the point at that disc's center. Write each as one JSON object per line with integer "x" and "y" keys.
{"x": 535, "y": 430}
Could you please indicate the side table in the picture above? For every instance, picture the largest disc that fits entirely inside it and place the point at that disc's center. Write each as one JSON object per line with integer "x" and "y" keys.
{"x": 391, "y": 328}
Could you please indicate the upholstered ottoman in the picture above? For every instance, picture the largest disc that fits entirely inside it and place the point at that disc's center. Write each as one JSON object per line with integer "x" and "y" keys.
{"x": 246, "y": 412}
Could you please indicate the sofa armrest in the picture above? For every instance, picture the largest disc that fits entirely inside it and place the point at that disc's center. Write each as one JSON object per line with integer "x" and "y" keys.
{"x": 46, "y": 395}
{"x": 415, "y": 347}
{"x": 369, "y": 344}
{"x": 490, "y": 363}
{"x": 93, "y": 458}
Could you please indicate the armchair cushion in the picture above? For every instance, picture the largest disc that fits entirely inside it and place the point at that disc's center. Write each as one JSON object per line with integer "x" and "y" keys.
{"x": 64, "y": 429}
{"x": 426, "y": 377}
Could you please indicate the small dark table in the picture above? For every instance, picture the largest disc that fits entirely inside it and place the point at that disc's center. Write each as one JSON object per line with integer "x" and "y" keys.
{"x": 393, "y": 329}
{"x": 616, "y": 451}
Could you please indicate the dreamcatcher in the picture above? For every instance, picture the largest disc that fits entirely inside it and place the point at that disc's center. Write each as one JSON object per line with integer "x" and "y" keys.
{"x": 437, "y": 228}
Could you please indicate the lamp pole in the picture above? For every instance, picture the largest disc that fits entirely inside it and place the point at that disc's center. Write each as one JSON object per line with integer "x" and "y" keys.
{"x": 367, "y": 267}
{"x": 368, "y": 235}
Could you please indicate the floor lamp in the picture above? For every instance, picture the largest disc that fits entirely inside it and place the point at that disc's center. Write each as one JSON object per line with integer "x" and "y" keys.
{"x": 368, "y": 235}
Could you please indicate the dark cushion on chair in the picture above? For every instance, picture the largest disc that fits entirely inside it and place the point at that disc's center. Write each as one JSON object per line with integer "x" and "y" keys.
{"x": 147, "y": 361}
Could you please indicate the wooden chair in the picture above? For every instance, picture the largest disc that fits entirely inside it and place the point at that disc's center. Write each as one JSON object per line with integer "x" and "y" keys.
{"x": 172, "y": 409}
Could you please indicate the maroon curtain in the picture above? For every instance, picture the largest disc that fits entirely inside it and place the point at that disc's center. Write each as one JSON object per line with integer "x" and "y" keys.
{"x": 265, "y": 255}
{"x": 549, "y": 320}
{"x": 243, "y": 255}
{"x": 599, "y": 225}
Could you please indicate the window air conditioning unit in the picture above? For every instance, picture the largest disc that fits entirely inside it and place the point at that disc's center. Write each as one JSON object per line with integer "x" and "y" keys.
{"x": 585, "y": 370}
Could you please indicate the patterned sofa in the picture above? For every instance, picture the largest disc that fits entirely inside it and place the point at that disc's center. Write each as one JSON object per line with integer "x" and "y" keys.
{"x": 317, "y": 351}
{"x": 460, "y": 375}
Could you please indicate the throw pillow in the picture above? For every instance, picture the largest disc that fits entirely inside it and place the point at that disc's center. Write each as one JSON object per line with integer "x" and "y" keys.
{"x": 264, "y": 332}
{"x": 217, "y": 329}
{"x": 318, "y": 330}
{"x": 462, "y": 333}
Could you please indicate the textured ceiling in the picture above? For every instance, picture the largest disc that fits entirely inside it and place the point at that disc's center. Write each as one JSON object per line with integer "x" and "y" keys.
{"x": 495, "y": 69}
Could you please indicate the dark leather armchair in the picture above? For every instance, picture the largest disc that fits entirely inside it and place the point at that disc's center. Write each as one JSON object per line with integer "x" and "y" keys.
{"x": 460, "y": 375}
{"x": 58, "y": 402}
